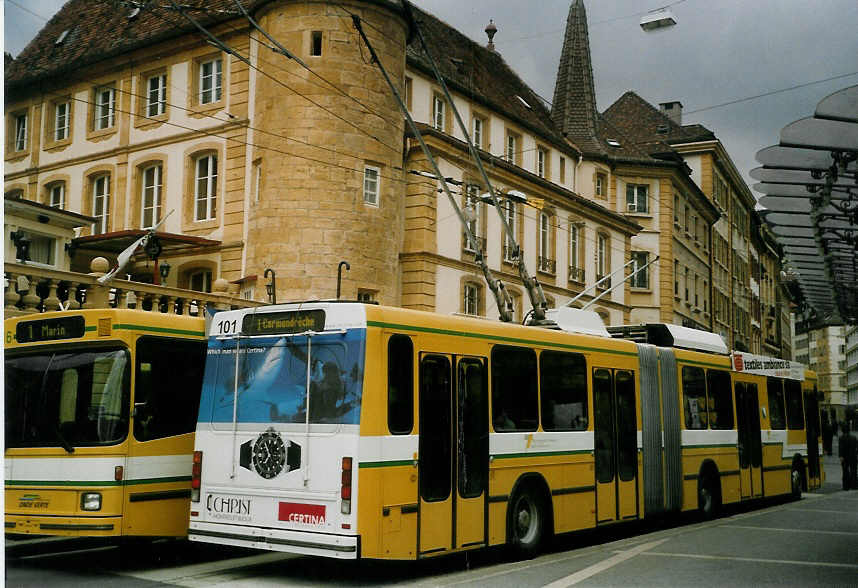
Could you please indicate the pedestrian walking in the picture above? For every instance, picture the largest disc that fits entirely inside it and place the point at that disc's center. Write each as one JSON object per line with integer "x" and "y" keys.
{"x": 847, "y": 450}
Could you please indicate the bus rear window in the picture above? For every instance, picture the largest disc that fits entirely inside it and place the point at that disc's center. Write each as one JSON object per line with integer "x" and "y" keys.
{"x": 795, "y": 410}
{"x": 296, "y": 379}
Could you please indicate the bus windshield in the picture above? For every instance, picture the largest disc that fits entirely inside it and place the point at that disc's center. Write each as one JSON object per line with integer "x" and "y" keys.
{"x": 271, "y": 379}
{"x": 67, "y": 399}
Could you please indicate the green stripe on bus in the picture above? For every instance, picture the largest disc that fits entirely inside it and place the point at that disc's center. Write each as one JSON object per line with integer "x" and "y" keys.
{"x": 541, "y": 454}
{"x": 496, "y": 338}
{"x": 385, "y": 464}
{"x": 97, "y": 482}
{"x": 131, "y": 327}
{"x": 89, "y": 329}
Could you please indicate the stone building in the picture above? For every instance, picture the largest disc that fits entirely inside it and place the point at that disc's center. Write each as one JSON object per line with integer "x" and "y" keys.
{"x": 256, "y": 159}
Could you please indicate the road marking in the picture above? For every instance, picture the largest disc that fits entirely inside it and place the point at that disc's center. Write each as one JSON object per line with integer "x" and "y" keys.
{"x": 186, "y": 573}
{"x": 840, "y": 512}
{"x": 849, "y": 533}
{"x": 507, "y": 569}
{"x": 755, "y": 559}
{"x": 66, "y": 553}
{"x": 603, "y": 565}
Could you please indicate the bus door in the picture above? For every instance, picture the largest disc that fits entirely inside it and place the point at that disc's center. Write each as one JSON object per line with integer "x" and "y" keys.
{"x": 615, "y": 439}
{"x": 811, "y": 415}
{"x": 453, "y": 452}
{"x": 750, "y": 443}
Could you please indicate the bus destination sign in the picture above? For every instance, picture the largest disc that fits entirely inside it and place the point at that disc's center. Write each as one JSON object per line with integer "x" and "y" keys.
{"x": 281, "y": 323}
{"x": 52, "y": 329}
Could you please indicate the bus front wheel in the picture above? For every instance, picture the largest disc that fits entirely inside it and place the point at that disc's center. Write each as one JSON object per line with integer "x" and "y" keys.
{"x": 526, "y": 523}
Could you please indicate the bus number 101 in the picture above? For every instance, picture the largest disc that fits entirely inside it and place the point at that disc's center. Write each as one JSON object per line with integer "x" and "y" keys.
{"x": 227, "y": 327}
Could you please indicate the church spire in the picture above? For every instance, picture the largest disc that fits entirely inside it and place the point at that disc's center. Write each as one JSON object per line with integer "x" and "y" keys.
{"x": 574, "y": 108}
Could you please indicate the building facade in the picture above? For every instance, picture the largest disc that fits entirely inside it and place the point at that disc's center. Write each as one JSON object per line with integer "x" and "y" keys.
{"x": 248, "y": 160}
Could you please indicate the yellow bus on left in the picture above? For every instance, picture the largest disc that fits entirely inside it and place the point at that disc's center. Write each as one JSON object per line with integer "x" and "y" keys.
{"x": 100, "y": 412}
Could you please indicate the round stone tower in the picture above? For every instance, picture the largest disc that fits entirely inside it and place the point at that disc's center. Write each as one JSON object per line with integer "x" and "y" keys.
{"x": 324, "y": 149}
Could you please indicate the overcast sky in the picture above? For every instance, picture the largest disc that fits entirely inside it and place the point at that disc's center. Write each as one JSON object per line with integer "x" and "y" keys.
{"x": 719, "y": 51}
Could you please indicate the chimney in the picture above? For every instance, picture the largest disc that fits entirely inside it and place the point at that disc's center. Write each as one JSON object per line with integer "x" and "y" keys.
{"x": 672, "y": 110}
{"x": 491, "y": 29}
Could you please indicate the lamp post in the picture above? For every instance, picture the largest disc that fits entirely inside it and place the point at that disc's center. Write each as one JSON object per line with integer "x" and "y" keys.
{"x": 164, "y": 270}
{"x": 271, "y": 286}
{"x": 340, "y": 275}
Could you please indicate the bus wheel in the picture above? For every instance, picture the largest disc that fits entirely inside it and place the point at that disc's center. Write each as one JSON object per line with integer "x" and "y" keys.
{"x": 795, "y": 483}
{"x": 708, "y": 497}
{"x": 526, "y": 523}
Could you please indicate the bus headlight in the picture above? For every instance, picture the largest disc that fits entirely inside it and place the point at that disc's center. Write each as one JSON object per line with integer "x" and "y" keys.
{"x": 90, "y": 501}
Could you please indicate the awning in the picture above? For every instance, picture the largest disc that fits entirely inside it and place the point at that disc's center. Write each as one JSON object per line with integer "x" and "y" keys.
{"x": 117, "y": 241}
{"x": 809, "y": 183}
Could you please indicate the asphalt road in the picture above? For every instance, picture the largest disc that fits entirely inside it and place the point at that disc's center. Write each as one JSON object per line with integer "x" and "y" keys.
{"x": 811, "y": 542}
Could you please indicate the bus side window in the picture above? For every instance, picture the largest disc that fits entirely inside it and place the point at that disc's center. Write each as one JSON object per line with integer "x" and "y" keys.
{"x": 400, "y": 385}
{"x": 167, "y": 387}
{"x": 694, "y": 397}
{"x": 720, "y": 399}
{"x": 514, "y": 397}
{"x": 563, "y": 378}
{"x": 795, "y": 411}
{"x": 775, "y": 390}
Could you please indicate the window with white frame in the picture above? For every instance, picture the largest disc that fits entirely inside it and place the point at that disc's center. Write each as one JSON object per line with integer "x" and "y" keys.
{"x": 205, "y": 188}
{"x": 370, "y": 185}
{"x": 151, "y": 187}
{"x": 540, "y": 162}
{"x": 477, "y": 132}
{"x": 601, "y": 256}
{"x": 471, "y": 299}
{"x": 636, "y": 198}
{"x": 61, "y": 121}
{"x": 156, "y": 95}
{"x": 511, "y": 148}
{"x": 57, "y": 195}
{"x": 640, "y": 277}
{"x": 210, "y": 81}
{"x": 472, "y": 208}
{"x": 105, "y": 104}
{"x": 438, "y": 112}
{"x": 101, "y": 204}
{"x": 573, "y": 246}
{"x": 21, "y": 132}
{"x": 508, "y": 243}
{"x": 545, "y": 262}
{"x": 601, "y": 185}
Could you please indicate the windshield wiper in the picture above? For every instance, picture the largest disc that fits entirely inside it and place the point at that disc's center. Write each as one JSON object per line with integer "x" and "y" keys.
{"x": 64, "y": 443}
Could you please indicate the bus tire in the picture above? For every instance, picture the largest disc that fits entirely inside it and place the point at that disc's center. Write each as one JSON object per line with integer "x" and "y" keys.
{"x": 708, "y": 496}
{"x": 526, "y": 523}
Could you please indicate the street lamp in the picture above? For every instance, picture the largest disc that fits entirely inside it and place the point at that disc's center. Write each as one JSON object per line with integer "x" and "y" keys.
{"x": 271, "y": 286}
{"x": 164, "y": 270}
{"x": 659, "y": 18}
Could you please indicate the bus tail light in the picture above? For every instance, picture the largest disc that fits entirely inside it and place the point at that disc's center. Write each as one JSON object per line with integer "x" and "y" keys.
{"x": 196, "y": 476}
{"x": 346, "y": 487}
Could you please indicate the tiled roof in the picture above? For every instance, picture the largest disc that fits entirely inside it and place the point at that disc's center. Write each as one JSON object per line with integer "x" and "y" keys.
{"x": 650, "y": 128}
{"x": 480, "y": 74}
{"x": 98, "y": 30}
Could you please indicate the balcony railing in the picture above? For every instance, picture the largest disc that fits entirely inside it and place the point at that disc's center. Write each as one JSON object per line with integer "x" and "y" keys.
{"x": 30, "y": 289}
{"x": 604, "y": 285}
{"x": 576, "y": 274}
{"x": 546, "y": 264}
{"x": 469, "y": 245}
{"x": 509, "y": 254}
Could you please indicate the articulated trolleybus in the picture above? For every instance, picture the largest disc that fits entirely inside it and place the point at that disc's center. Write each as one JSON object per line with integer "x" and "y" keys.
{"x": 349, "y": 430}
{"x": 100, "y": 410}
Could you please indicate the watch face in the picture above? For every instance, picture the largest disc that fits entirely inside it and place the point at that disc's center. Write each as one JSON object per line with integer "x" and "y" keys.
{"x": 269, "y": 454}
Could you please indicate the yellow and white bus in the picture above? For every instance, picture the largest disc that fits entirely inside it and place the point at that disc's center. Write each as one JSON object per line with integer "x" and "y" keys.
{"x": 349, "y": 430}
{"x": 100, "y": 409}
